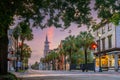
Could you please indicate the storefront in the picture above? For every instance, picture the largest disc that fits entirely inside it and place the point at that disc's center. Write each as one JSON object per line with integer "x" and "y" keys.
{"x": 109, "y": 61}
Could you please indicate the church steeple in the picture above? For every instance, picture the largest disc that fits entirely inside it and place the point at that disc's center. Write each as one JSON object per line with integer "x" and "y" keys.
{"x": 46, "y": 46}
{"x": 46, "y": 41}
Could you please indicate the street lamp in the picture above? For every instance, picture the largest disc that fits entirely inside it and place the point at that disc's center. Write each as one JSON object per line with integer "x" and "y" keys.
{"x": 94, "y": 61}
{"x": 100, "y": 69}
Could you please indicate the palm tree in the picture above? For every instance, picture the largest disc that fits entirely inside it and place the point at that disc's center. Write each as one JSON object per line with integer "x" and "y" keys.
{"x": 80, "y": 57}
{"x": 23, "y": 32}
{"x": 69, "y": 46}
{"x": 54, "y": 57}
{"x": 26, "y": 34}
{"x": 27, "y": 54}
{"x": 16, "y": 34}
{"x": 85, "y": 40}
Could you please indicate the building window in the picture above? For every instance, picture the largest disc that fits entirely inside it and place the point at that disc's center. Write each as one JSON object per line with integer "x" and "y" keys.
{"x": 103, "y": 43}
{"x": 103, "y": 30}
{"x": 110, "y": 41}
{"x": 109, "y": 26}
{"x": 111, "y": 60}
{"x": 97, "y": 33}
{"x": 98, "y": 43}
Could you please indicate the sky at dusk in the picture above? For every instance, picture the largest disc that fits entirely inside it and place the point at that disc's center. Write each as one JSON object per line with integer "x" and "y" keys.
{"x": 55, "y": 35}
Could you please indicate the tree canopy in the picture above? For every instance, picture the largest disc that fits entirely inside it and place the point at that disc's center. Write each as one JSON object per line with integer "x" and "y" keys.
{"x": 107, "y": 11}
{"x": 78, "y": 11}
{"x": 66, "y": 10}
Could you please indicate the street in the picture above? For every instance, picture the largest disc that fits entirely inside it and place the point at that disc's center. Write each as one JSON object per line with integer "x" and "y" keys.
{"x": 67, "y": 75}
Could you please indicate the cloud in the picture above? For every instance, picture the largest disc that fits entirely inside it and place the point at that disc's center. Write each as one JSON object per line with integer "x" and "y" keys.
{"x": 50, "y": 33}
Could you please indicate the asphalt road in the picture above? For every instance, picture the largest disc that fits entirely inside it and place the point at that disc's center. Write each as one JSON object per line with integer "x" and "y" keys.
{"x": 68, "y": 75}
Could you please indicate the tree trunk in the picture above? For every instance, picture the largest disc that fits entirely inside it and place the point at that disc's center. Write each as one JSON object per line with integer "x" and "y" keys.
{"x": 54, "y": 64}
{"x": 70, "y": 59}
{"x": 21, "y": 53}
{"x": 86, "y": 60}
{"x": 65, "y": 61}
{"x": 3, "y": 54}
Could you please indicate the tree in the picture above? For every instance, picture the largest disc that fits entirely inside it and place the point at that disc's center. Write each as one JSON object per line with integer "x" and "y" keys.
{"x": 69, "y": 47}
{"x": 108, "y": 11}
{"x": 35, "y": 66}
{"x": 116, "y": 18}
{"x": 3, "y": 54}
{"x": 23, "y": 32}
{"x": 85, "y": 39}
{"x": 16, "y": 34}
{"x": 80, "y": 56}
{"x": 53, "y": 57}
{"x": 26, "y": 34}
{"x": 26, "y": 54}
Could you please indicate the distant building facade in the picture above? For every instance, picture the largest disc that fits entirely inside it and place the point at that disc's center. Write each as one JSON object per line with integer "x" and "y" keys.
{"x": 11, "y": 51}
{"x": 108, "y": 47}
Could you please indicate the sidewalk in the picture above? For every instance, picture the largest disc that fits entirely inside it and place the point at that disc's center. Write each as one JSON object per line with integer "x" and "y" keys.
{"x": 103, "y": 72}
{"x": 19, "y": 74}
{"x": 77, "y": 72}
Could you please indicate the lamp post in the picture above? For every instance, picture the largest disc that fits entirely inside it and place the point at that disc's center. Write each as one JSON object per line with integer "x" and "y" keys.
{"x": 100, "y": 69}
{"x": 94, "y": 61}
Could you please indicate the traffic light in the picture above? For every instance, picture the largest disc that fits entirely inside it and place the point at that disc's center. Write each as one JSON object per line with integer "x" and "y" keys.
{"x": 93, "y": 46}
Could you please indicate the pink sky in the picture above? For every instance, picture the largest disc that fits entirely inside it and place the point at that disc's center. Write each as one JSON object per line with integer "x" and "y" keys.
{"x": 54, "y": 37}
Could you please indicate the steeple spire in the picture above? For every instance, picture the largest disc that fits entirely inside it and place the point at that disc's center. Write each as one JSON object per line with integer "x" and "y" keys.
{"x": 46, "y": 46}
{"x": 46, "y": 40}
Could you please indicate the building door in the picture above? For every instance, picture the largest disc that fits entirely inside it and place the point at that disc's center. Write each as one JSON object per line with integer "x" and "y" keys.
{"x": 119, "y": 60}
{"x": 111, "y": 60}
{"x": 104, "y": 61}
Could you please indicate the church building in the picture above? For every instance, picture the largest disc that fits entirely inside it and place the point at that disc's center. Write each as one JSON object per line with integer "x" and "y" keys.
{"x": 46, "y": 46}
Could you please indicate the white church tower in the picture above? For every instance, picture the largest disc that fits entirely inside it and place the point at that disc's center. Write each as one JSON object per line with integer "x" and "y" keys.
{"x": 46, "y": 46}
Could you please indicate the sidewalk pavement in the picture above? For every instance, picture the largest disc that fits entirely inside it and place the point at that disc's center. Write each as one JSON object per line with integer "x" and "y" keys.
{"x": 19, "y": 74}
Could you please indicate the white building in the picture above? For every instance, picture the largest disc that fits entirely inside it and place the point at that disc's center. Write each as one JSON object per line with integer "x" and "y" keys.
{"x": 108, "y": 47}
{"x": 11, "y": 51}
